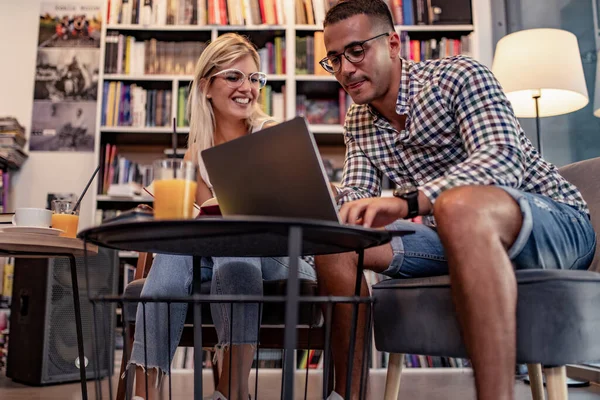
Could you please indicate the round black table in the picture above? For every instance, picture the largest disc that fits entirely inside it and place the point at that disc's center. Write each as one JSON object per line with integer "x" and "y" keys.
{"x": 244, "y": 237}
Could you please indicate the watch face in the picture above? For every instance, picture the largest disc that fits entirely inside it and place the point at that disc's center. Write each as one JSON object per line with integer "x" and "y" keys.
{"x": 405, "y": 190}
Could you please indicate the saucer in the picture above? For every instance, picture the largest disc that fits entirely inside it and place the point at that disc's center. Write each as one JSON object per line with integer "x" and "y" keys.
{"x": 32, "y": 229}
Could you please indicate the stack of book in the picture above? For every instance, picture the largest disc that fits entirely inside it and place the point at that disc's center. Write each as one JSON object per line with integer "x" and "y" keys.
{"x": 309, "y": 51}
{"x": 132, "y": 105}
{"x": 131, "y": 56}
{"x": 122, "y": 177}
{"x": 12, "y": 143}
{"x": 435, "y": 48}
{"x": 324, "y": 110}
{"x": 196, "y": 12}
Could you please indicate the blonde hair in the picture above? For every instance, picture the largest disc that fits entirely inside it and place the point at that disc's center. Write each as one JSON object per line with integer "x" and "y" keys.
{"x": 223, "y": 51}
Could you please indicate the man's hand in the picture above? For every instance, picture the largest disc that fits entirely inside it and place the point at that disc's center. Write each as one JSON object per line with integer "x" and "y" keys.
{"x": 373, "y": 212}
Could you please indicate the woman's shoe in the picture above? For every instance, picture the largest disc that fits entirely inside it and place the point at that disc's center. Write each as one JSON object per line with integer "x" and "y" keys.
{"x": 216, "y": 396}
{"x": 335, "y": 396}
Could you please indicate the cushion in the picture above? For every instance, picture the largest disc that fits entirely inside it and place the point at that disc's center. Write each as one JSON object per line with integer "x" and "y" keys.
{"x": 584, "y": 175}
{"x": 558, "y": 317}
{"x": 273, "y": 313}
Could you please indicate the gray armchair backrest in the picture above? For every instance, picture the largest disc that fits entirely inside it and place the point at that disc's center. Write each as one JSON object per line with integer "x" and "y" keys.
{"x": 586, "y": 176}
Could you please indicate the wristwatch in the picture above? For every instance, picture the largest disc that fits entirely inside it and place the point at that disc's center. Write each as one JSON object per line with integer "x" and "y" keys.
{"x": 411, "y": 195}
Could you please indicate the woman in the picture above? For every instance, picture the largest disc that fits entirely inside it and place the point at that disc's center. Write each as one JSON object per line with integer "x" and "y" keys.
{"x": 223, "y": 106}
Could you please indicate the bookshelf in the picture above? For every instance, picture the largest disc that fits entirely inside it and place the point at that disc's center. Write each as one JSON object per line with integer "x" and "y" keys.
{"x": 290, "y": 82}
{"x": 144, "y": 143}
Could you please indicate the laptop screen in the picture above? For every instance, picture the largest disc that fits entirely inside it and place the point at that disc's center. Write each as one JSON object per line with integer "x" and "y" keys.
{"x": 275, "y": 172}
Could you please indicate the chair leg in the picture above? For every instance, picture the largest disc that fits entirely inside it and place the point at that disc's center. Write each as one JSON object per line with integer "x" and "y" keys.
{"x": 392, "y": 381}
{"x": 124, "y": 384}
{"x": 536, "y": 381}
{"x": 556, "y": 383}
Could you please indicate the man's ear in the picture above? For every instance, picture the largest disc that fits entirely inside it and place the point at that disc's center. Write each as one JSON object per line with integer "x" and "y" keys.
{"x": 394, "y": 45}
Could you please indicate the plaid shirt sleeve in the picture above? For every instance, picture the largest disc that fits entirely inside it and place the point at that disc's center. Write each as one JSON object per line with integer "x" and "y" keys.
{"x": 360, "y": 179}
{"x": 488, "y": 128}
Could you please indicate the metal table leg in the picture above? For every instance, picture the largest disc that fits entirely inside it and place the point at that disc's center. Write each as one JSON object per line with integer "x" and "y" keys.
{"x": 359, "y": 274}
{"x": 79, "y": 326}
{"x": 291, "y": 310}
{"x": 197, "y": 281}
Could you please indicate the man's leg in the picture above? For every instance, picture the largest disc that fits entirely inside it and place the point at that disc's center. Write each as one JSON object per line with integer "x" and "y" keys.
{"x": 336, "y": 276}
{"x": 416, "y": 255}
{"x": 477, "y": 226}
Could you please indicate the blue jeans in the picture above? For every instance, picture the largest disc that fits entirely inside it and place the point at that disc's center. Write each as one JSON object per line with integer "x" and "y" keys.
{"x": 171, "y": 276}
{"x": 553, "y": 236}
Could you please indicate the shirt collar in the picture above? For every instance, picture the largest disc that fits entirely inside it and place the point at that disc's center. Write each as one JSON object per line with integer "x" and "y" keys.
{"x": 404, "y": 89}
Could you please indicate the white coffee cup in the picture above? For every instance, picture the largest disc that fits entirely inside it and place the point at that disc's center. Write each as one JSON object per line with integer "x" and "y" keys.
{"x": 32, "y": 217}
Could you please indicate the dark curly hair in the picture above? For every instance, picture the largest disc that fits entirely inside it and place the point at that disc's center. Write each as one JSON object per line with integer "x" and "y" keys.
{"x": 345, "y": 9}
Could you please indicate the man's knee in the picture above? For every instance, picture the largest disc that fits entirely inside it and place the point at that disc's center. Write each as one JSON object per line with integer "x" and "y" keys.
{"x": 335, "y": 270}
{"x": 333, "y": 263}
{"x": 466, "y": 211}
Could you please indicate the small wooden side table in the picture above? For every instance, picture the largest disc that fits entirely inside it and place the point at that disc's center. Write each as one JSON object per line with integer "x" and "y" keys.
{"x": 29, "y": 245}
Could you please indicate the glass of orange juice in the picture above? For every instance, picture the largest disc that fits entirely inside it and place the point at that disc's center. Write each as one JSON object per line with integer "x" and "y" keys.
{"x": 64, "y": 218}
{"x": 174, "y": 189}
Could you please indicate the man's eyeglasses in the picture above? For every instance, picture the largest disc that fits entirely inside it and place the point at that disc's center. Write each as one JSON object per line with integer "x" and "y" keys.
{"x": 354, "y": 53}
{"x": 236, "y": 78}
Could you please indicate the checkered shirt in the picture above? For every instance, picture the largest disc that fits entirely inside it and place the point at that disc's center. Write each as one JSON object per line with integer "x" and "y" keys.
{"x": 460, "y": 130}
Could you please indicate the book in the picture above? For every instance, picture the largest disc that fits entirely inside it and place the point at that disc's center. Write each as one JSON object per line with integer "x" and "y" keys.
{"x": 210, "y": 207}
{"x": 6, "y": 218}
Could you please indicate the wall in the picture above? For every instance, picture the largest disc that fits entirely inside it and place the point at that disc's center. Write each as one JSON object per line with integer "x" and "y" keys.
{"x": 574, "y": 136}
{"x": 482, "y": 19}
{"x": 43, "y": 172}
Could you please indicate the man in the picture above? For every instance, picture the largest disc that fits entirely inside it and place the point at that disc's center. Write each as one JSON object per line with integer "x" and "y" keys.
{"x": 444, "y": 132}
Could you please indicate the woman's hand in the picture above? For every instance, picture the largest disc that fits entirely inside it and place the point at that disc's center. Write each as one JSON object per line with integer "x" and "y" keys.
{"x": 373, "y": 212}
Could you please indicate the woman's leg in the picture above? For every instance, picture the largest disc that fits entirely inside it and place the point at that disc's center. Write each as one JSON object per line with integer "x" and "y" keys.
{"x": 170, "y": 276}
{"x": 235, "y": 276}
{"x": 242, "y": 276}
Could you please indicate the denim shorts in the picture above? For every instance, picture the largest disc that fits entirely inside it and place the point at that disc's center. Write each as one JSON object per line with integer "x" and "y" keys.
{"x": 553, "y": 236}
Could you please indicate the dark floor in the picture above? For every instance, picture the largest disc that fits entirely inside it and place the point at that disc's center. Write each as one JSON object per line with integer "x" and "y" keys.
{"x": 426, "y": 384}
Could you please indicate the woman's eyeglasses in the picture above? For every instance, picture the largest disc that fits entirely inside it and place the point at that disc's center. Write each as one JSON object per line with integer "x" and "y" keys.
{"x": 354, "y": 53}
{"x": 236, "y": 78}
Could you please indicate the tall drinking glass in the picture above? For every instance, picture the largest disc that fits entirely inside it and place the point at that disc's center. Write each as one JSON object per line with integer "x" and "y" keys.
{"x": 174, "y": 189}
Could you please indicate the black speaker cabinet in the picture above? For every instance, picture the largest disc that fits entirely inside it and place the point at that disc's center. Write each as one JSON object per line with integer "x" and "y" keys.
{"x": 43, "y": 339}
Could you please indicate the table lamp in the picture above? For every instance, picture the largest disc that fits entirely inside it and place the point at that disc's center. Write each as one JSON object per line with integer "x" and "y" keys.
{"x": 541, "y": 73}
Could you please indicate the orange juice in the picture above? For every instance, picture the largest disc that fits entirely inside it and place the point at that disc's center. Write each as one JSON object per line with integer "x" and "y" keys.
{"x": 174, "y": 198}
{"x": 66, "y": 222}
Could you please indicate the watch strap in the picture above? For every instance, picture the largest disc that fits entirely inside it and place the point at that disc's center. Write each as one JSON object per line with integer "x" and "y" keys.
{"x": 412, "y": 200}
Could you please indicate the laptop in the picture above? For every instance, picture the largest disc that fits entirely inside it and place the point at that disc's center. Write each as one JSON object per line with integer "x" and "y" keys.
{"x": 275, "y": 172}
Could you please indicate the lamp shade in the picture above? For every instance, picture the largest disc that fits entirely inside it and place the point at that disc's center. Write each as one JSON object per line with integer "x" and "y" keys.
{"x": 545, "y": 62}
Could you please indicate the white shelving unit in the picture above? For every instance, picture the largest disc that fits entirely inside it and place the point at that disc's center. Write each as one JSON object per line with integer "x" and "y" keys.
{"x": 150, "y": 130}
{"x": 327, "y": 133}
{"x": 407, "y": 28}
